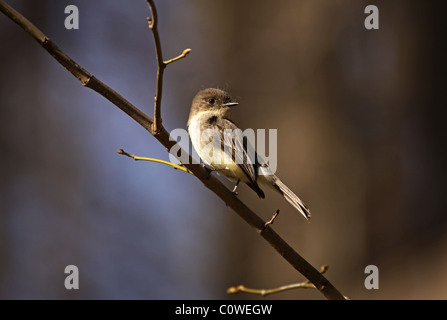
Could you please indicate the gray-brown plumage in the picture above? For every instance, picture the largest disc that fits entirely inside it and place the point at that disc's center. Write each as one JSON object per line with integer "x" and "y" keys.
{"x": 208, "y": 119}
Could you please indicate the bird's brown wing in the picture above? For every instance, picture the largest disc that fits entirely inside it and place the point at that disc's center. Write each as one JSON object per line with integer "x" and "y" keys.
{"x": 240, "y": 151}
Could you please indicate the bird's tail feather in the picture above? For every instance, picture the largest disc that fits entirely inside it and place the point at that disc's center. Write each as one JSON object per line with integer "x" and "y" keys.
{"x": 292, "y": 198}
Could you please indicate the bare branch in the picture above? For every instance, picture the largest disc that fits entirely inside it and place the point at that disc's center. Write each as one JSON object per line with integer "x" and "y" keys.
{"x": 153, "y": 25}
{"x": 272, "y": 219}
{"x": 182, "y": 55}
{"x": 175, "y": 166}
{"x": 158, "y": 131}
{"x": 264, "y": 292}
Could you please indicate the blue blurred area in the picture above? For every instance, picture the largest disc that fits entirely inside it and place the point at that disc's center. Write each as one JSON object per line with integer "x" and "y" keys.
{"x": 135, "y": 230}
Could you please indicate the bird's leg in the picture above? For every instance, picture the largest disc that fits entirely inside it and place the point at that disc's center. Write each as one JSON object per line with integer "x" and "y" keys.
{"x": 208, "y": 170}
{"x": 235, "y": 187}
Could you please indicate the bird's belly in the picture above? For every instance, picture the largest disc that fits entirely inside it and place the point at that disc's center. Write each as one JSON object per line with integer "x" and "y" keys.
{"x": 231, "y": 171}
{"x": 210, "y": 152}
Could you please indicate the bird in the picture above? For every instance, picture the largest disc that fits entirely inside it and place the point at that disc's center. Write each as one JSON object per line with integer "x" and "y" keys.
{"x": 208, "y": 126}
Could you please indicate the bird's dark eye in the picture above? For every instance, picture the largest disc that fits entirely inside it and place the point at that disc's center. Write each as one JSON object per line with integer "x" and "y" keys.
{"x": 211, "y": 100}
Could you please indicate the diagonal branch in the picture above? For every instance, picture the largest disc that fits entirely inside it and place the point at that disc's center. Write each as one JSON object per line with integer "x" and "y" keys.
{"x": 86, "y": 78}
{"x": 158, "y": 131}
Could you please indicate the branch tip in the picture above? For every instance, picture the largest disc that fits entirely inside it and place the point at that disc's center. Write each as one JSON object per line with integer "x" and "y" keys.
{"x": 272, "y": 219}
{"x": 124, "y": 153}
{"x": 232, "y": 290}
{"x": 175, "y": 166}
{"x": 181, "y": 56}
{"x": 264, "y": 292}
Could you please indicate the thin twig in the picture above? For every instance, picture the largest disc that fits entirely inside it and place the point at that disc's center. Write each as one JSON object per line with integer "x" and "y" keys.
{"x": 264, "y": 292}
{"x": 180, "y": 56}
{"x": 211, "y": 182}
{"x": 272, "y": 219}
{"x": 153, "y": 25}
{"x": 175, "y": 166}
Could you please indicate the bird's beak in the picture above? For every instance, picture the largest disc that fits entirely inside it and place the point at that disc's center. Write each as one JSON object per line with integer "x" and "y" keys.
{"x": 230, "y": 104}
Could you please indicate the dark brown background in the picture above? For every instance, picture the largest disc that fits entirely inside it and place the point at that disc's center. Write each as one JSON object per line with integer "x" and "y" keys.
{"x": 361, "y": 139}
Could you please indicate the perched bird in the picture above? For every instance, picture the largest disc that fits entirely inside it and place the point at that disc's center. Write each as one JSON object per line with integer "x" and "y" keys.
{"x": 209, "y": 125}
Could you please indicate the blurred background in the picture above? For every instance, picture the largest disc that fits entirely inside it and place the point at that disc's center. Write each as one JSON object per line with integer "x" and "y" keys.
{"x": 361, "y": 140}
